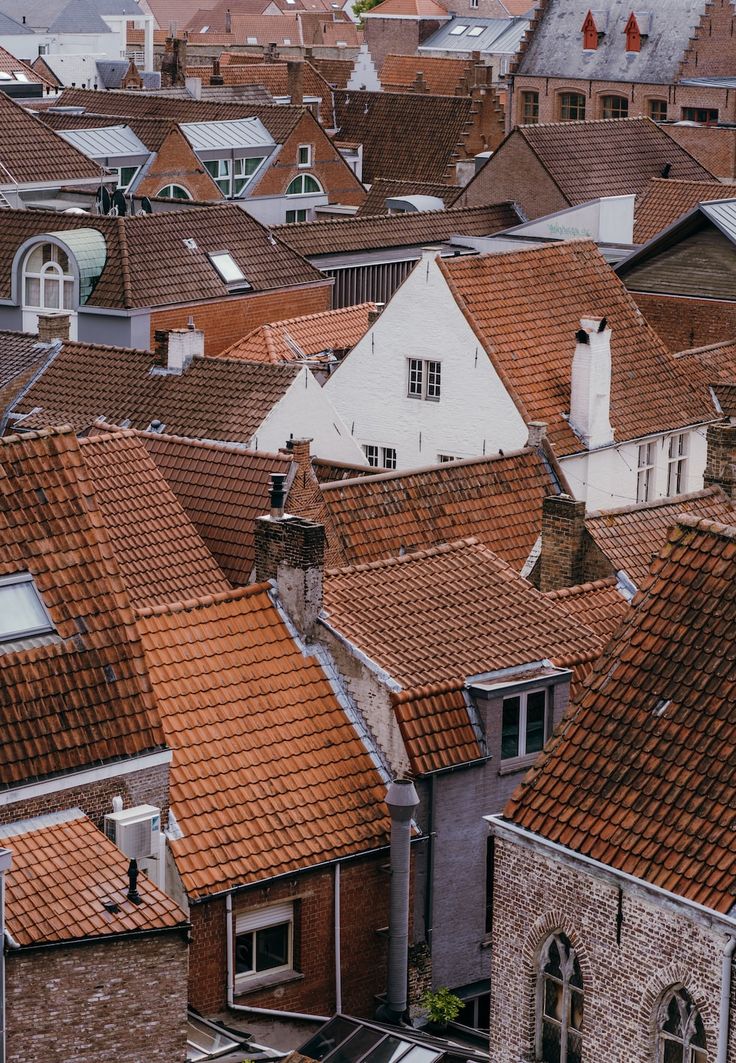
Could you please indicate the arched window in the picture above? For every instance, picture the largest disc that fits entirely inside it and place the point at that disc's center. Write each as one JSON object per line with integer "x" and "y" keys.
{"x": 173, "y": 192}
{"x": 680, "y": 1033}
{"x": 48, "y": 279}
{"x": 572, "y": 107}
{"x": 614, "y": 107}
{"x": 559, "y": 1003}
{"x": 303, "y": 185}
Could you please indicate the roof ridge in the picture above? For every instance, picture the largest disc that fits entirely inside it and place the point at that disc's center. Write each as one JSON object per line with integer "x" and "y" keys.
{"x": 188, "y": 605}
{"x": 37, "y": 433}
{"x": 206, "y": 444}
{"x": 705, "y": 524}
{"x": 389, "y": 219}
{"x": 708, "y": 347}
{"x": 590, "y": 121}
{"x": 412, "y": 693}
{"x": 412, "y": 555}
{"x": 655, "y": 503}
{"x": 397, "y": 474}
{"x": 582, "y": 588}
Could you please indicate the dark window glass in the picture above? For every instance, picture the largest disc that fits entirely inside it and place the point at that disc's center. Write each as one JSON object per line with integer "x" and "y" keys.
{"x": 536, "y": 712}
{"x": 572, "y": 107}
{"x": 704, "y": 115}
{"x": 529, "y": 108}
{"x": 510, "y": 728}
{"x": 272, "y": 947}
{"x": 559, "y": 1029}
{"x": 244, "y": 953}
{"x": 490, "y": 857}
{"x": 614, "y": 107}
{"x": 658, "y": 110}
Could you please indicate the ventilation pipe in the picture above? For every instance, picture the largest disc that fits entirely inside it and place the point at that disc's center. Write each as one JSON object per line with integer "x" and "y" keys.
{"x": 277, "y": 494}
{"x": 402, "y": 801}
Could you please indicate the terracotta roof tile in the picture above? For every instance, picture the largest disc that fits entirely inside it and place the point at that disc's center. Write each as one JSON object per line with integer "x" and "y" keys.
{"x": 498, "y": 500}
{"x": 79, "y": 698}
{"x": 395, "y": 230}
{"x": 526, "y": 307}
{"x": 641, "y": 774}
{"x": 598, "y": 605}
{"x": 31, "y": 153}
{"x": 222, "y": 489}
{"x": 158, "y": 550}
{"x": 664, "y": 201}
{"x": 336, "y": 72}
{"x": 312, "y": 334}
{"x": 282, "y": 782}
{"x": 421, "y": 8}
{"x": 275, "y": 78}
{"x": 383, "y": 187}
{"x": 150, "y": 131}
{"x": 406, "y": 612}
{"x": 10, "y": 65}
{"x": 436, "y": 728}
{"x": 630, "y": 537}
{"x": 64, "y": 873}
{"x": 443, "y": 77}
{"x": 711, "y": 365}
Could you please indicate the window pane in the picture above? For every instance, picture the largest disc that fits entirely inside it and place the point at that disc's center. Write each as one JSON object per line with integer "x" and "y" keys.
{"x": 244, "y": 953}
{"x": 310, "y": 185}
{"x": 21, "y": 612}
{"x": 536, "y": 705}
{"x": 415, "y": 377}
{"x": 36, "y": 259}
{"x": 356, "y": 1046}
{"x": 389, "y": 457}
{"x": 331, "y": 1035}
{"x": 272, "y": 947}
{"x": 434, "y": 370}
{"x": 32, "y": 291}
{"x": 673, "y": 1052}
{"x": 574, "y": 1048}
{"x": 576, "y": 1009}
{"x": 553, "y": 999}
{"x": 51, "y": 292}
{"x": 673, "y": 1023}
{"x": 510, "y": 728}
{"x": 388, "y": 1051}
{"x": 553, "y": 964}
{"x": 550, "y": 1042}
{"x": 68, "y": 294}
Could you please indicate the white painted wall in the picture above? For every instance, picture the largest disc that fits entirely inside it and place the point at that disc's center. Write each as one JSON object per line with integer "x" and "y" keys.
{"x": 364, "y": 75}
{"x": 306, "y": 412}
{"x": 474, "y": 415}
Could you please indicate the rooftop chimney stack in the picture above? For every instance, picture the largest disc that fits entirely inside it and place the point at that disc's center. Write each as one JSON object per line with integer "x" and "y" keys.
{"x": 295, "y": 81}
{"x": 193, "y": 87}
{"x": 537, "y": 432}
{"x": 53, "y": 327}
{"x": 277, "y": 494}
{"x": 402, "y": 801}
{"x": 720, "y": 465}
{"x": 562, "y": 559}
{"x": 590, "y": 386}
{"x": 176, "y": 349}
{"x": 228, "y": 23}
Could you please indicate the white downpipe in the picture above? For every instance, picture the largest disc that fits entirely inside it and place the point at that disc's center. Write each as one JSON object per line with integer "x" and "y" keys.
{"x": 724, "y": 1015}
{"x": 338, "y": 959}
{"x": 269, "y": 1012}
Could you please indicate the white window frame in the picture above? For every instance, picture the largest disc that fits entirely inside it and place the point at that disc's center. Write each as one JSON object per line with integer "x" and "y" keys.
{"x": 295, "y": 219}
{"x": 250, "y": 922}
{"x": 241, "y": 179}
{"x": 388, "y": 457}
{"x": 300, "y": 180}
{"x": 299, "y": 150}
{"x": 166, "y": 188}
{"x": 646, "y": 471}
{"x": 523, "y": 696}
{"x": 424, "y": 379}
{"x": 51, "y": 271}
{"x": 677, "y": 454}
{"x": 123, "y": 187}
{"x": 222, "y": 175}
{"x": 443, "y": 458}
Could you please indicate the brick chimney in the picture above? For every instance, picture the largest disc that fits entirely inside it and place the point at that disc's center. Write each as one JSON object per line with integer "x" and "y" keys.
{"x": 295, "y": 81}
{"x": 720, "y": 465}
{"x": 174, "y": 62}
{"x": 563, "y": 543}
{"x": 53, "y": 327}
{"x": 291, "y": 551}
{"x": 590, "y": 383}
{"x": 177, "y": 348}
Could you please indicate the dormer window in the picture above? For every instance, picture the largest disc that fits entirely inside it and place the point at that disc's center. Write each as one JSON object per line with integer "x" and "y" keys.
{"x": 48, "y": 280}
{"x": 590, "y": 33}
{"x": 22, "y": 613}
{"x": 633, "y": 34}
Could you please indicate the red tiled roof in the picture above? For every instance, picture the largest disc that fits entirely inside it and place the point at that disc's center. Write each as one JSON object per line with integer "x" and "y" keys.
{"x": 714, "y": 364}
{"x": 526, "y": 306}
{"x": 64, "y": 873}
{"x": 311, "y": 334}
{"x": 641, "y": 776}
{"x": 382, "y": 188}
{"x": 408, "y": 9}
{"x": 632, "y": 536}
{"x": 10, "y": 65}
{"x": 158, "y": 550}
{"x": 449, "y": 612}
{"x": 336, "y": 72}
{"x": 222, "y": 489}
{"x": 664, "y": 201}
{"x": 268, "y": 774}
{"x": 598, "y": 605}
{"x": 498, "y": 500}
{"x": 275, "y": 78}
{"x": 436, "y": 728}
{"x": 82, "y": 698}
{"x": 443, "y": 77}
{"x": 31, "y": 153}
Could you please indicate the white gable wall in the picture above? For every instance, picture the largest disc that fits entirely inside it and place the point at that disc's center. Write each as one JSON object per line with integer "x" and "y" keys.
{"x": 474, "y": 414}
{"x": 305, "y": 411}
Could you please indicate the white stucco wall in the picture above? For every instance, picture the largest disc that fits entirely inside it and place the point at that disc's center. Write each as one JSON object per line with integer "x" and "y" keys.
{"x": 306, "y": 412}
{"x": 607, "y": 478}
{"x": 474, "y": 414}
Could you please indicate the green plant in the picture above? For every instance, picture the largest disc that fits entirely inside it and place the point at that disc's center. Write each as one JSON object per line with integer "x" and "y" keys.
{"x": 442, "y": 1005}
{"x": 361, "y": 6}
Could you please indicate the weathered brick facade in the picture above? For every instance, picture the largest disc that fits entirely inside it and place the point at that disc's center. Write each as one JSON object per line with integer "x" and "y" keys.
{"x": 397, "y": 36}
{"x": 118, "y": 1001}
{"x": 624, "y": 976}
{"x": 713, "y": 146}
{"x": 721, "y": 467}
{"x": 684, "y": 323}
{"x": 175, "y": 163}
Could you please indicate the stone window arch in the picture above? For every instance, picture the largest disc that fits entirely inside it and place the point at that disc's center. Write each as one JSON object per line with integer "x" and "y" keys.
{"x": 560, "y": 1002}
{"x": 680, "y": 1031}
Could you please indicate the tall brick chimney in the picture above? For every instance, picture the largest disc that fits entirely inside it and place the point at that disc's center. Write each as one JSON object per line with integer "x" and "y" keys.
{"x": 53, "y": 327}
{"x": 291, "y": 551}
{"x": 720, "y": 465}
{"x": 295, "y": 81}
{"x": 563, "y": 543}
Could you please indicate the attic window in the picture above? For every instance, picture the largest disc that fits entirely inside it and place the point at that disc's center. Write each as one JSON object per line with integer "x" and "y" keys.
{"x": 633, "y": 34}
{"x": 457, "y": 30}
{"x": 475, "y": 31}
{"x": 590, "y": 33}
{"x": 22, "y": 613}
{"x": 228, "y": 269}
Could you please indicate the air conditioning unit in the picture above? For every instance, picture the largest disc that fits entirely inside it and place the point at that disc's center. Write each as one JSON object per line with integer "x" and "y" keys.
{"x": 135, "y": 831}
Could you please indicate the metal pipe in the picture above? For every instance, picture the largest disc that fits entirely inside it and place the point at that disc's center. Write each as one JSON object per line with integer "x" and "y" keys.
{"x": 338, "y": 958}
{"x": 724, "y": 1015}
{"x": 270, "y": 1012}
{"x": 402, "y": 801}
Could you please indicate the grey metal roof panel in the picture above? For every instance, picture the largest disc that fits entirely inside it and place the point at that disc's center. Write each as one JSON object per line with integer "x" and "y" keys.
{"x": 556, "y": 49}
{"x": 79, "y": 16}
{"x": 722, "y": 212}
{"x": 106, "y": 142}
{"x": 497, "y": 35}
{"x": 711, "y": 83}
{"x": 239, "y": 133}
{"x": 119, "y": 7}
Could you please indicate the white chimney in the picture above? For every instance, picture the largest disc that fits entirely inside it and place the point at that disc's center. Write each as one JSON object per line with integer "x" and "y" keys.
{"x": 193, "y": 87}
{"x": 590, "y": 386}
{"x": 185, "y": 344}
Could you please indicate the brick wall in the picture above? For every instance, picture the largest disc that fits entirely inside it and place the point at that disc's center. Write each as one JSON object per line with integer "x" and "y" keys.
{"x": 684, "y": 323}
{"x": 713, "y": 146}
{"x": 563, "y": 531}
{"x": 149, "y": 787}
{"x": 516, "y": 174}
{"x": 364, "y": 910}
{"x": 177, "y": 164}
{"x": 396, "y": 36}
{"x": 721, "y": 467}
{"x": 224, "y": 321}
{"x": 112, "y": 1002}
{"x": 711, "y": 51}
{"x": 623, "y": 982}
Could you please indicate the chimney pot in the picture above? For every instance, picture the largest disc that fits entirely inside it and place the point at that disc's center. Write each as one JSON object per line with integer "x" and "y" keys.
{"x": 537, "y": 432}
{"x": 277, "y": 494}
{"x": 53, "y": 327}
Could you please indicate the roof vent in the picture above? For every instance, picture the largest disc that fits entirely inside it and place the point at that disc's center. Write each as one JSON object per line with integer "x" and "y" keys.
{"x": 276, "y": 494}
{"x": 191, "y": 244}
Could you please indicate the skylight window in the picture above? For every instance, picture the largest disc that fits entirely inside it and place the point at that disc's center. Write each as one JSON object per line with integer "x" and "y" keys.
{"x": 475, "y": 31}
{"x": 19, "y": 75}
{"x": 457, "y": 30}
{"x": 228, "y": 269}
{"x": 22, "y": 613}
{"x": 5, "y": 76}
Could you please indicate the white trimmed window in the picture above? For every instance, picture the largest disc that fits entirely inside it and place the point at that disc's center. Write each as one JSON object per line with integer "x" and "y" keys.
{"x": 442, "y": 458}
{"x": 523, "y": 723}
{"x": 264, "y": 945}
{"x": 126, "y": 176}
{"x": 305, "y": 155}
{"x": 48, "y": 280}
{"x": 425, "y": 379}
{"x": 646, "y": 471}
{"x": 677, "y": 464}
{"x": 293, "y": 217}
{"x": 173, "y": 192}
{"x": 304, "y": 185}
{"x": 22, "y": 613}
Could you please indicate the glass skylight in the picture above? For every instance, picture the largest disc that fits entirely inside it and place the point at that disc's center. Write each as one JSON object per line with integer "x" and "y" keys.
{"x": 457, "y": 30}
{"x": 475, "y": 31}
{"x": 22, "y": 612}
{"x": 228, "y": 268}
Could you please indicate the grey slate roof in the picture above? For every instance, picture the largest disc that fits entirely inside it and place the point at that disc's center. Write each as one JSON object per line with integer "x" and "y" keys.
{"x": 79, "y": 16}
{"x": 556, "y": 49}
{"x": 9, "y": 26}
{"x": 500, "y": 36}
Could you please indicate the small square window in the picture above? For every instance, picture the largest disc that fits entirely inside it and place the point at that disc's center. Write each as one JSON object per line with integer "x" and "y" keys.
{"x": 294, "y": 216}
{"x": 388, "y": 457}
{"x": 263, "y": 944}
{"x": 475, "y": 31}
{"x": 457, "y": 30}
{"x": 305, "y": 154}
{"x": 424, "y": 379}
{"x": 658, "y": 110}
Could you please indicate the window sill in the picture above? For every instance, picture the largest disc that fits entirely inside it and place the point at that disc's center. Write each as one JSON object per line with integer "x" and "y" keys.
{"x": 266, "y": 981}
{"x": 514, "y": 764}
